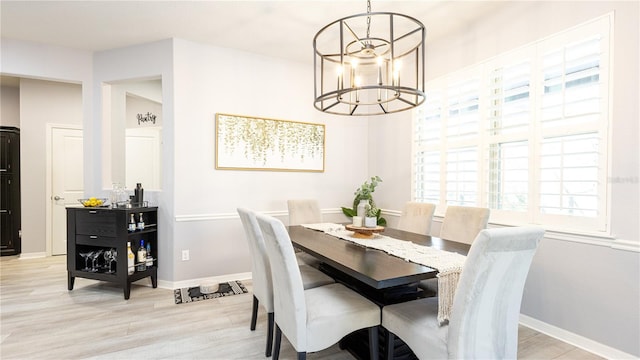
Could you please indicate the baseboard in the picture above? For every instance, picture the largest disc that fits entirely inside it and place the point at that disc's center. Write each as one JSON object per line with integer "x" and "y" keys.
{"x": 195, "y": 282}
{"x": 579, "y": 341}
{"x": 35, "y": 255}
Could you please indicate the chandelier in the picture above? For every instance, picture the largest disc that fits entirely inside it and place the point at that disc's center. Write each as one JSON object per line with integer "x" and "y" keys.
{"x": 369, "y": 64}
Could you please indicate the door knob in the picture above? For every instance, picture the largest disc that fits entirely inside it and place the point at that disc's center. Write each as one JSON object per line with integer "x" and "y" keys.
{"x": 56, "y": 198}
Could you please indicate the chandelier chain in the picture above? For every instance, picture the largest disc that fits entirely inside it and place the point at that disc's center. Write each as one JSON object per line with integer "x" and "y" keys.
{"x": 368, "y": 19}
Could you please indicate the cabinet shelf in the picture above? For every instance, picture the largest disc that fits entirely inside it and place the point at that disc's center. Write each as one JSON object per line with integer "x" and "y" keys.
{"x": 90, "y": 229}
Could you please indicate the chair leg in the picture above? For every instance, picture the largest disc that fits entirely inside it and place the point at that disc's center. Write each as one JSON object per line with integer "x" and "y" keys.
{"x": 302, "y": 355}
{"x": 254, "y": 313}
{"x": 390, "y": 345}
{"x": 373, "y": 343}
{"x": 270, "y": 321}
{"x": 276, "y": 346}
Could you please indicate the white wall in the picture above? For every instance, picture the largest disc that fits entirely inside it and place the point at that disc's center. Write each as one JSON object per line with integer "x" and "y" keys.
{"x": 590, "y": 290}
{"x": 211, "y": 80}
{"x": 10, "y": 106}
{"x": 41, "y": 103}
{"x": 146, "y": 61}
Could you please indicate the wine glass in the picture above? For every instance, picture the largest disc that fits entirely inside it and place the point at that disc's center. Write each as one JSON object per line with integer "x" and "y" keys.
{"x": 86, "y": 256}
{"x": 107, "y": 258}
{"x": 110, "y": 256}
{"x": 94, "y": 257}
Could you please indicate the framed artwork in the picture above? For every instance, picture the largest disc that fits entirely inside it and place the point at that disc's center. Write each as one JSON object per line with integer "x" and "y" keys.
{"x": 251, "y": 143}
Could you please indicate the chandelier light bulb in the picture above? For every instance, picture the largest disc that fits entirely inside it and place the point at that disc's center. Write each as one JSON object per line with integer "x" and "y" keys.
{"x": 358, "y": 81}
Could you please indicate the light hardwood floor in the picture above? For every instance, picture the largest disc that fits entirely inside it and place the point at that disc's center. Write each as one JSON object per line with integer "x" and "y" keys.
{"x": 41, "y": 319}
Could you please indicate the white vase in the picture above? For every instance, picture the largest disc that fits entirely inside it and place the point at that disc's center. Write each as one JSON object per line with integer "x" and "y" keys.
{"x": 370, "y": 222}
{"x": 361, "y": 210}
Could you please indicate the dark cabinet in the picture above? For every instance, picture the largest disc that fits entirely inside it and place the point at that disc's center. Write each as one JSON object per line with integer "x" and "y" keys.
{"x": 99, "y": 230}
{"x": 9, "y": 190}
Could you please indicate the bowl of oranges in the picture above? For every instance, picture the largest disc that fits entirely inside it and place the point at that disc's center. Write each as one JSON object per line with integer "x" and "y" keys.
{"x": 92, "y": 202}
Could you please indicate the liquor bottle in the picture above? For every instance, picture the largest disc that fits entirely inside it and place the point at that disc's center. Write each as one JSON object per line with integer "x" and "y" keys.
{"x": 142, "y": 257}
{"x": 132, "y": 223}
{"x": 140, "y": 222}
{"x": 149, "y": 257}
{"x": 130, "y": 259}
{"x": 138, "y": 194}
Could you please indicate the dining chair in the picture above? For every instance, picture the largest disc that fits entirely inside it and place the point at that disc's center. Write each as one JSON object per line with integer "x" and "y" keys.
{"x": 312, "y": 319}
{"x": 484, "y": 319}
{"x": 416, "y": 217}
{"x": 305, "y": 211}
{"x": 463, "y": 223}
{"x": 261, "y": 274}
{"x": 460, "y": 224}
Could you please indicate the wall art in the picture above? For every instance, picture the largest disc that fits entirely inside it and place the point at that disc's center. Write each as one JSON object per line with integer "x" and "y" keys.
{"x": 251, "y": 143}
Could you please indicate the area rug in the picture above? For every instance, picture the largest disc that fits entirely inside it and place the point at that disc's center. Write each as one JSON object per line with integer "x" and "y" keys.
{"x": 192, "y": 294}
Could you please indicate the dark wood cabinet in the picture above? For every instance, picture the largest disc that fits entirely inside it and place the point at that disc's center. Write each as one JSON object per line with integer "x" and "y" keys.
{"x": 95, "y": 229}
{"x": 10, "y": 190}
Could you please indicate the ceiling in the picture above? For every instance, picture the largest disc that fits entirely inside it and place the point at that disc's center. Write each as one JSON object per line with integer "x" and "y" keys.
{"x": 273, "y": 28}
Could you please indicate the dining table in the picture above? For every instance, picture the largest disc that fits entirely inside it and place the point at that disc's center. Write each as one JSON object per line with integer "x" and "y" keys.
{"x": 382, "y": 278}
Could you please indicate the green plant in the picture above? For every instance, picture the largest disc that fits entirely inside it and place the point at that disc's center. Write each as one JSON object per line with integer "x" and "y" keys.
{"x": 373, "y": 211}
{"x": 364, "y": 193}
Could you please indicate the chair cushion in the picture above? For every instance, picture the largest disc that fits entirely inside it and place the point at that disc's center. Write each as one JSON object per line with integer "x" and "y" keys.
{"x": 416, "y": 323}
{"x": 312, "y": 277}
{"x": 305, "y": 259}
{"x": 429, "y": 287}
{"x": 333, "y": 311}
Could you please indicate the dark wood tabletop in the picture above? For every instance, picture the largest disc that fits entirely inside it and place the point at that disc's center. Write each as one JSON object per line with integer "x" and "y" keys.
{"x": 372, "y": 267}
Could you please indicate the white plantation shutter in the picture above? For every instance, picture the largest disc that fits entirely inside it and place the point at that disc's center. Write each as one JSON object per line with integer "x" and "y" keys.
{"x": 463, "y": 110}
{"x": 524, "y": 134}
{"x": 569, "y": 175}
{"x": 510, "y": 105}
{"x": 572, "y": 90}
{"x": 462, "y": 177}
{"x": 508, "y": 127}
{"x": 427, "y": 177}
{"x": 508, "y": 177}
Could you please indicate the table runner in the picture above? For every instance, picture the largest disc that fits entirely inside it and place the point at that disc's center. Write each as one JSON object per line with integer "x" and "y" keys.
{"x": 448, "y": 264}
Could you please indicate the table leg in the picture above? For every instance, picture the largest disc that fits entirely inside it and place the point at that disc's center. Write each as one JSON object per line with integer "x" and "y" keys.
{"x": 70, "y": 280}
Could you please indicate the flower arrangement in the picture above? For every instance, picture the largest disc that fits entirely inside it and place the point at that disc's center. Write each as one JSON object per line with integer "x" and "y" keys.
{"x": 364, "y": 193}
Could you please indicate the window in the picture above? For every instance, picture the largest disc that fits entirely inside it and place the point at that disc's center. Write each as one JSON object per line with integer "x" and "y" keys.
{"x": 524, "y": 134}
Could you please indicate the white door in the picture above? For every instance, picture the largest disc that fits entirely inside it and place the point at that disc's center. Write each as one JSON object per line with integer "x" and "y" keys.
{"x": 67, "y": 184}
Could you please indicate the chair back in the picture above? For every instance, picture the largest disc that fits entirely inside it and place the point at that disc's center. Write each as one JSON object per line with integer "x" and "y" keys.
{"x": 486, "y": 308}
{"x": 260, "y": 268}
{"x": 304, "y": 211}
{"x": 288, "y": 290}
{"x": 417, "y": 217}
{"x": 463, "y": 223}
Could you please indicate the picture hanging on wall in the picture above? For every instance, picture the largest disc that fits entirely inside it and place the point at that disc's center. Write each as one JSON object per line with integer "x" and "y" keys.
{"x": 251, "y": 143}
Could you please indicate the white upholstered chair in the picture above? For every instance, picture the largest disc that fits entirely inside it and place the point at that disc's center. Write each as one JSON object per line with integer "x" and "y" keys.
{"x": 312, "y": 319}
{"x": 417, "y": 217}
{"x": 261, "y": 274}
{"x": 484, "y": 320}
{"x": 305, "y": 211}
{"x": 463, "y": 223}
